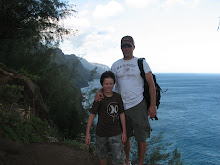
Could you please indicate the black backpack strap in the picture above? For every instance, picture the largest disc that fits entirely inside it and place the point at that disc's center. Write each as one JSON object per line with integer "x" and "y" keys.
{"x": 140, "y": 65}
{"x": 146, "y": 87}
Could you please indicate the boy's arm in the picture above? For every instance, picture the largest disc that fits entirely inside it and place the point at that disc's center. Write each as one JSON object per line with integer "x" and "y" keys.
{"x": 89, "y": 124}
{"x": 123, "y": 123}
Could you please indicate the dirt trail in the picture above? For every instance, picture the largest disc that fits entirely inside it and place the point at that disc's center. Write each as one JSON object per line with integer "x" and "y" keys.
{"x": 12, "y": 153}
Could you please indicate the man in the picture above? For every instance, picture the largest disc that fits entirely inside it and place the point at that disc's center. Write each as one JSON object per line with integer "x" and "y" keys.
{"x": 130, "y": 85}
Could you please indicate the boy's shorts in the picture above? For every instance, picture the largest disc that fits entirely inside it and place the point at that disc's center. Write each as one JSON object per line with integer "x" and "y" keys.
{"x": 113, "y": 143}
{"x": 137, "y": 123}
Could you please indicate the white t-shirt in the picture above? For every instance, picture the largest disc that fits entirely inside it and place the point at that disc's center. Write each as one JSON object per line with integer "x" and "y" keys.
{"x": 129, "y": 82}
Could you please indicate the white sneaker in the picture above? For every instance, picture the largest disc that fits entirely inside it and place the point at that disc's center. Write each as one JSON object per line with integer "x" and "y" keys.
{"x": 129, "y": 163}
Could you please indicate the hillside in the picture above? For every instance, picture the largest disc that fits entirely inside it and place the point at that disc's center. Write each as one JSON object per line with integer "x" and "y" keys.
{"x": 20, "y": 125}
{"x": 90, "y": 66}
{"x": 46, "y": 100}
{"x": 78, "y": 67}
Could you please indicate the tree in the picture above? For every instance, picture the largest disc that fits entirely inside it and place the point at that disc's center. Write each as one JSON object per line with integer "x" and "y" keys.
{"x": 29, "y": 32}
{"x": 31, "y": 21}
{"x": 28, "y": 28}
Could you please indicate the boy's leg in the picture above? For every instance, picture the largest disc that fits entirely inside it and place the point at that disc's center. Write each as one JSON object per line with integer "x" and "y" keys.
{"x": 103, "y": 161}
{"x": 127, "y": 151}
{"x": 117, "y": 150}
{"x": 101, "y": 149}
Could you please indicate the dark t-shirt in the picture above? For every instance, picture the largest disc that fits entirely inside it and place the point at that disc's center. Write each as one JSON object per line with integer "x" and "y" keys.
{"x": 108, "y": 110}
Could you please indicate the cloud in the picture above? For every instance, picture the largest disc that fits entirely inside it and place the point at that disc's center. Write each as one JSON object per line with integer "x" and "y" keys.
{"x": 111, "y": 9}
{"x": 97, "y": 40}
{"x": 138, "y": 3}
{"x": 189, "y": 3}
{"x": 93, "y": 41}
{"x": 78, "y": 22}
{"x": 159, "y": 34}
{"x": 167, "y": 3}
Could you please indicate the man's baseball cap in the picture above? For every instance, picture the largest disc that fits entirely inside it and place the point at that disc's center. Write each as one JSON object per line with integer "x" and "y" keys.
{"x": 127, "y": 40}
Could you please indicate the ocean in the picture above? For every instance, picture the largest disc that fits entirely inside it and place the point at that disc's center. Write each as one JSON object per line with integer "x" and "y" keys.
{"x": 189, "y": 116}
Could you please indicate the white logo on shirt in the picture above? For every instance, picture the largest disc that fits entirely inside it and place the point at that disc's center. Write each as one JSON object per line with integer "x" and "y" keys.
{"x": 112, "y": 110}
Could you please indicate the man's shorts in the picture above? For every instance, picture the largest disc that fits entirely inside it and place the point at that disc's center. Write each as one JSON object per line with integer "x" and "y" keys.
{"x": 115, "y": 145}
{"x": 137, "y": 122}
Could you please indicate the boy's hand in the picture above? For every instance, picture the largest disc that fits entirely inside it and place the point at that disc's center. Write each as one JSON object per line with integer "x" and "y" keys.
{"x": 99, "y": 96}
{"x": 124, "y": 138}
{"x": 87, "y": 139}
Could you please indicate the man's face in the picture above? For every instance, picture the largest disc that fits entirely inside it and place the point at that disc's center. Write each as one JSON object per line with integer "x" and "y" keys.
{"x": 127, "y": 51}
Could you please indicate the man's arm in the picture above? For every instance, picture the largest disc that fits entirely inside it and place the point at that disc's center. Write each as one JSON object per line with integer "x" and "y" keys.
{"x": 152, "y": 111}
{"x": 99, "y": 95}
{"x": 123, "y": 123}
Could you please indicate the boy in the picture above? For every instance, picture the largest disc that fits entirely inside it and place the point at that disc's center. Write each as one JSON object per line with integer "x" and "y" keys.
{"x": 111, "y": 127}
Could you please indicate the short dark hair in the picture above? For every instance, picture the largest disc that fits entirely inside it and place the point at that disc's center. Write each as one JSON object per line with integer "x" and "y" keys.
{"x": 127, "y": 40}
{"x": 107, "y": 74}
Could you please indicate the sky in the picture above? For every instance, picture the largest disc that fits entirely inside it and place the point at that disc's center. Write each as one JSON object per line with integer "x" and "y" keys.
{"x": 174, "y": 36}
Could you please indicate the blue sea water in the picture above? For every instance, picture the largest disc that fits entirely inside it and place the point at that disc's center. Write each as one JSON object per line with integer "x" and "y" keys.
{"x": 189, "y": 116}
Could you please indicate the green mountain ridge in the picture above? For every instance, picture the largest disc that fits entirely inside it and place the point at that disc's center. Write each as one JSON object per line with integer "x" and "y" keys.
{"x": 83, "y": 68}
{"x": 91, "y": 65}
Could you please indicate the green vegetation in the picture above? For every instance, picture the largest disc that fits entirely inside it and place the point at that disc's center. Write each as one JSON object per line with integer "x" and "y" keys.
{"x": 15, "y": 127}
{"x": 11, "y": 93}
{"x": 80, "y": 143}
{"x": 30, "y": 77}
{"x": 157, "y": 152}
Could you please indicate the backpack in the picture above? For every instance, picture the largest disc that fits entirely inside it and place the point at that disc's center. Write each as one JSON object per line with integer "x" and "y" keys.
{"x": 146, "y": 87}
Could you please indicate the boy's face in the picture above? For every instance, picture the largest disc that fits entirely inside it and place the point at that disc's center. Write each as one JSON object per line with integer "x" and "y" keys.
{"x": 108, "y": 85}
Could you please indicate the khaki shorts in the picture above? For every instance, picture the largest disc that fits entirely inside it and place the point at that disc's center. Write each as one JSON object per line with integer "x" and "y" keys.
{"x": 137, "y": 122}
{"x": 115, "y": 145}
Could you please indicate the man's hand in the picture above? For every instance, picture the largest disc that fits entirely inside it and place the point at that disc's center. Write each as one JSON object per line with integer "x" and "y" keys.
{"x": 152, "y": 112}
{"x": 99, "y": 96}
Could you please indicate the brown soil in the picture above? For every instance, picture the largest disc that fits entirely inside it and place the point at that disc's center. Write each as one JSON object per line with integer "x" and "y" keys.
{"x": 12, "y": 153}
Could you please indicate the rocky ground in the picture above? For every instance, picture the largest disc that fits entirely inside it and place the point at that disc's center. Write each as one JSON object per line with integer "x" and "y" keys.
{"x": 12, "y": 153}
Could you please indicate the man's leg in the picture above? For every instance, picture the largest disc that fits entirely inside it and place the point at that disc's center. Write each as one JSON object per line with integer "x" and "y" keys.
{"x": 103, "y": 161}
{"x": 127, "y": 147}
{"x": 142, "y": 147}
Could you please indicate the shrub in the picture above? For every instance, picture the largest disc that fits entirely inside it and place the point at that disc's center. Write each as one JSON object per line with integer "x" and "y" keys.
{"x": 157, "y": 152}
{"x": 15, "y": 128}
{"x": 11, "y": 93}
{"x": 26, "y": 73}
